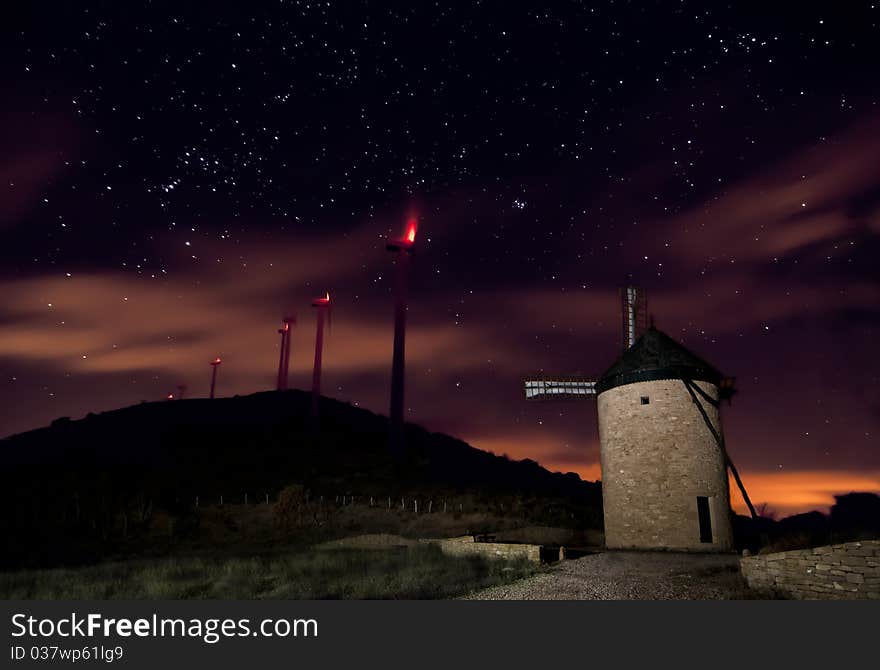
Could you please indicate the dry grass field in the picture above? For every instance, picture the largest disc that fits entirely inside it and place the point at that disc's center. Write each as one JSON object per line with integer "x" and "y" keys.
{"x": 416, "y": 572}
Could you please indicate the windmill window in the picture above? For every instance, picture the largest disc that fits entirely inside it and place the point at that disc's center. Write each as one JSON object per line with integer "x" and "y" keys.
{"x": 645, "y": 400}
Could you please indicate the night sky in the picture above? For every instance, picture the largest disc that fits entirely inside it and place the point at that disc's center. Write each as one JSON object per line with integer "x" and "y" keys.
{"x": 173, "y": 180}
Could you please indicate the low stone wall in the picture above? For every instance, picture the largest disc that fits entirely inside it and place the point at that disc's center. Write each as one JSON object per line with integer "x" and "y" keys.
{"x": 369, "y": 541}
{"x": 465, "y": 546}
{"x": 839, "y": 571}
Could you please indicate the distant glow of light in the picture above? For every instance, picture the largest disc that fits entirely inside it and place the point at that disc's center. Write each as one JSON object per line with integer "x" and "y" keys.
{"x": 216, "y": 361}
{"x": 411, "y": 231}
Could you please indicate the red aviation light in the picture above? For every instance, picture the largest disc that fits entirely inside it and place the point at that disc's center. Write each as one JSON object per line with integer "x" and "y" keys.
{"x": 407, "y": 242}
{"x": 216, "y": 361}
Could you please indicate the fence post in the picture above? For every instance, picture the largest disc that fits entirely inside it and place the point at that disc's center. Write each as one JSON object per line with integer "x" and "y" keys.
{"x": 197, "y": 501}
{"x": 221, "y": 501}
{"x": 389, "y": 503}
{"x": 402, "y": 505}
{"x": 444, "y": 507}
{"x": 430, "y": 505}
{"x": 245, "y": 498}
{"x": 267, "y": 498}
{"x": 371, "y": 501}
{"x": 416, "y": 506}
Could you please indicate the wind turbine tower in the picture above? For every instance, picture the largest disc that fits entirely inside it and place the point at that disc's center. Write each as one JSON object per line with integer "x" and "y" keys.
{"x": 286, "y": 331}
{"x": 214, "y": 365}
{"x": 403, "y": 250}
{"x": 322, "y": 305}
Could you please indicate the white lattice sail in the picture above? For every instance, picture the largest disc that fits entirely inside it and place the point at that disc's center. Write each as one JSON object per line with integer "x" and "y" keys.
{"x": 559, "y": 388}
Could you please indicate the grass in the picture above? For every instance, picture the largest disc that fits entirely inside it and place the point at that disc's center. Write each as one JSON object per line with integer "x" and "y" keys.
{"x": 420, "y": 572}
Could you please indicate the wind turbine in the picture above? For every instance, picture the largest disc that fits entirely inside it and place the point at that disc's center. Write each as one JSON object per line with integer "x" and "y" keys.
{"x": 286, "y": 331}
{"x": 403, "y": 250}
{"x": 214, "y": 365}
{"x": 322, "y": 305}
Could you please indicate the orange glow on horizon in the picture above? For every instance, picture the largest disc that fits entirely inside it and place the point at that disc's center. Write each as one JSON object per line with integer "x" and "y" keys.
{"x": 783, "y": 493}
{"x": 793, "y": 492}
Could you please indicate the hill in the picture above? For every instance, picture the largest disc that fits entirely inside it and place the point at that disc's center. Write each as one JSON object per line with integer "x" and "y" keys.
{"x": 86, "y": 483}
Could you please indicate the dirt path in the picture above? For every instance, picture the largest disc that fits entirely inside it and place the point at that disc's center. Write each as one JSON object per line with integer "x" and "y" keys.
{"x": 618, "y": 575}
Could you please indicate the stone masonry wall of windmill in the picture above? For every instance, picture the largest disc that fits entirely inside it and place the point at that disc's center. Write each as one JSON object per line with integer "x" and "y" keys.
{"x": 657, "y": 458}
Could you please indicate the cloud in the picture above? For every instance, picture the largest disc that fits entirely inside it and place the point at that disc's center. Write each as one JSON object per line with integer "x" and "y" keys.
{"x": 32, "y": 156}
{"x": 476, "y": 325}
{"x": 106, "y": 323}
{"x": 802, "y": 200}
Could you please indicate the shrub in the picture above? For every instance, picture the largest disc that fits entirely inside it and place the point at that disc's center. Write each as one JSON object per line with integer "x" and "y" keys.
{"x": 290, "y": 510}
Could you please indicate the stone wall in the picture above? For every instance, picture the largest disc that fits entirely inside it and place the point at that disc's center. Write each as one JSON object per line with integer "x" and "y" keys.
{"x": 656, "y": 459}
{"x": 465, "y": 546}
{"x": 848, "y": 571}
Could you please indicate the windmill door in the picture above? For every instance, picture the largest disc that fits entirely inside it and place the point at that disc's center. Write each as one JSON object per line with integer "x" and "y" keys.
{"x": 705, "y": 517}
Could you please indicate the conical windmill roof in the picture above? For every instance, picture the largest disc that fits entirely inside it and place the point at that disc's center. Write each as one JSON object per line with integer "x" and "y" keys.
{"x": 655, "y": 355}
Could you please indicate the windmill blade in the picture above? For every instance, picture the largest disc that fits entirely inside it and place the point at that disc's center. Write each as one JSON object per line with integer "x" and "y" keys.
{"x": 634, "y": 314}
{"x": 559, "y": 387}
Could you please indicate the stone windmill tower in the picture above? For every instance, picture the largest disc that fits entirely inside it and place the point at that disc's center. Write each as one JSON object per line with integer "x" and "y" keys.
{"x": 664, "y": 461}
{"x": 664, "y": 478}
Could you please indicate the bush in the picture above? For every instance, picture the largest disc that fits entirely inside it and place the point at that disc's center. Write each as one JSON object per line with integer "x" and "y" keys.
{"x": 290, "y": 510}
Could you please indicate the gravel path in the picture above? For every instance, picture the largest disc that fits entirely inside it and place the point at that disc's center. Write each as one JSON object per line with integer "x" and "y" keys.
{"x": 624, "y": 575}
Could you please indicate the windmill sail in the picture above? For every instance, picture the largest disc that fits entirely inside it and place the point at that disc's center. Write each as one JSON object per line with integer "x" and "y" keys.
{"x": 559, "y": 387}
{"x": 634, "y": 312}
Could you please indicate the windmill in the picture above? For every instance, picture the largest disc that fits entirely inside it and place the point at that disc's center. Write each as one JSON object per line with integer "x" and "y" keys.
{"x": 664, "y": 464}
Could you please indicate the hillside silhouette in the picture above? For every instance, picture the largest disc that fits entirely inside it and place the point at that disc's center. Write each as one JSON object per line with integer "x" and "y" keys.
{"x": 81, "y": 490}
{"x": 95, "y": 477}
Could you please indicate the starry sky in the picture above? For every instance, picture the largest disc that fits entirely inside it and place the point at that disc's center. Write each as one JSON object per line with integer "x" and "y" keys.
{"x": 174, "y": 179}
